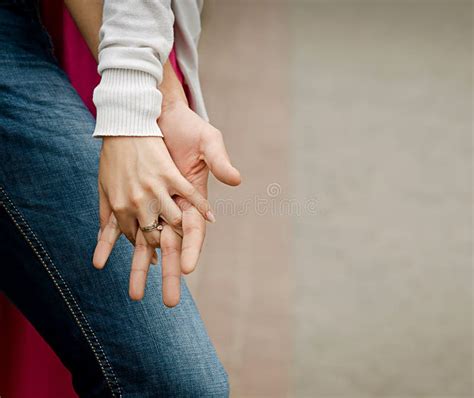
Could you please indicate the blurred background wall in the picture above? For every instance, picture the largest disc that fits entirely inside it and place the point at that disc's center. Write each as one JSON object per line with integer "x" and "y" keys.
{"x": 342, "y": 267}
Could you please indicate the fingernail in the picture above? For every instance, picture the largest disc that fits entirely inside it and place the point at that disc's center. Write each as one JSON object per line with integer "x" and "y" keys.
{"x": 210, "y": 217}
{"x": 98, "y": 235}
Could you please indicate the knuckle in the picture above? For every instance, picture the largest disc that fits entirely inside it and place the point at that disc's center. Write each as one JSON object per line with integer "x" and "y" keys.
{"x": 137, "y": 198}
{"x": 141, "y": 247}
{"x": 170, "y": 173}
{"x": 103, "y": 220}
{"x": 148, "y": 184}
{"x": 168, "y": 248}
{"x": 112, "y": 222}
{"x": 190, "y": 228}
{"x": 188, "y": 190}
{"x": 213, "y": 133}
{"x": 153, "y": 241}
{"x": 119, "y": 207}
{"x": 175, "y": 221}
{"x": 202, "y": 206}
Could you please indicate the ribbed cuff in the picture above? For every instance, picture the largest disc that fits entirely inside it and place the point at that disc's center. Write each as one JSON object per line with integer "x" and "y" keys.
{"x": 128, "y": 103}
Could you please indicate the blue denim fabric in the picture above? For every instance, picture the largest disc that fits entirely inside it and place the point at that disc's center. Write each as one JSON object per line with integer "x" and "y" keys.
{"x": 48, "y": 231}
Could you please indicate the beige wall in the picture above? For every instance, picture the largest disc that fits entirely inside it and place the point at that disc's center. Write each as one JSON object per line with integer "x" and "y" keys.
{"x": 364, "y": 107}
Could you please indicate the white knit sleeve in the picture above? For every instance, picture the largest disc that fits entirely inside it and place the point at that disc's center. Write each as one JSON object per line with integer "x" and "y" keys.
{"x": 136, "y": 38}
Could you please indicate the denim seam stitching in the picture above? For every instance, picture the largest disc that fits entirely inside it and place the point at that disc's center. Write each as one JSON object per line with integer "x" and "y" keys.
{"x": 65, "y": 293}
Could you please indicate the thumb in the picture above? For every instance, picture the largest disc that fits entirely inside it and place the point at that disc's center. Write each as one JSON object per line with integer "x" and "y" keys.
{"x": 217, "y": 159}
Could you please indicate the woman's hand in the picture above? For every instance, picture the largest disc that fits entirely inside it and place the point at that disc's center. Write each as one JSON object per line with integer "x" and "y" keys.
{"x": 137, "y": 182}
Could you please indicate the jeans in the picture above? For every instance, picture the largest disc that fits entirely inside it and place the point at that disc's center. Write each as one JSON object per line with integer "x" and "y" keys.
{"x": 113, "y": 347}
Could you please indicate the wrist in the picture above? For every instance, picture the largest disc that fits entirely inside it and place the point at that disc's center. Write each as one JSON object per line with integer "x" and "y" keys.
{"x": 171, "y": 88}
{"x": 173, "y": 103}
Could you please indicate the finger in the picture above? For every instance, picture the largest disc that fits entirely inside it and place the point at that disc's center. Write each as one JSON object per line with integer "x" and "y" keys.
{"x": 104, "y": 210}
{"x": 142, "y": 256}
{"x": 194, "y": 230}
{"x": 154, "y": 258}
{"x": 186, "y": 190}
{"x": 128, "y": 224}
{"x": 171, "y": 271}
{"x": 172, "y": 214}
{"x": 147, "y": 218}
{"x": 110, "y": 233}
{"x": 217, "y": 159}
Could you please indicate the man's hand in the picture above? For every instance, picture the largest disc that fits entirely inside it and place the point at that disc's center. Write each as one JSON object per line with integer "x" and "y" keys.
{"x": 196, "y": 147}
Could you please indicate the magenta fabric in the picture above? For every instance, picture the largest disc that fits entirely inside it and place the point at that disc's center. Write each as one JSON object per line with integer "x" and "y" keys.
{"x": 174, "y": 63}
{"x": 28, "y": 366}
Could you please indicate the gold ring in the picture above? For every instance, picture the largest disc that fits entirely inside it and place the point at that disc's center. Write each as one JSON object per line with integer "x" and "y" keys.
{"x": 156, "y": 225}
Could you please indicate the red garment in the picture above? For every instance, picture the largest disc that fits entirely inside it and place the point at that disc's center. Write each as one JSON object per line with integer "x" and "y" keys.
{"x": 28, "y": 366}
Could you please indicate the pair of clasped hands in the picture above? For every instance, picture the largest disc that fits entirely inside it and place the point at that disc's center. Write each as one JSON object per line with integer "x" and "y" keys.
{"x": 142, "y": 178}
